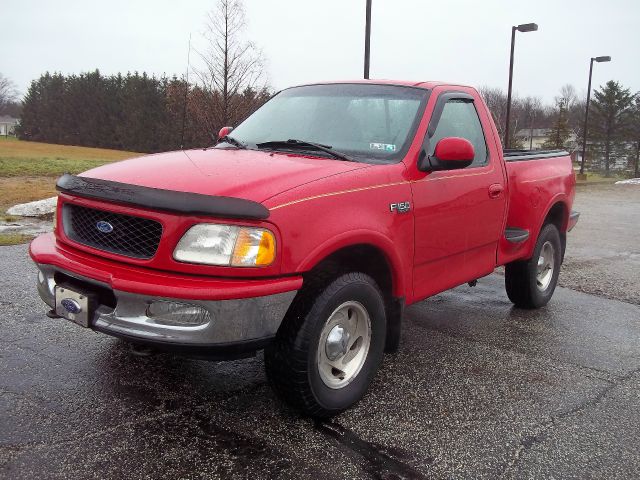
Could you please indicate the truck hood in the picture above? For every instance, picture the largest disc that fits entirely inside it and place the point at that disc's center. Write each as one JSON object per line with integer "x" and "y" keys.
{"x": 249, "y": 174}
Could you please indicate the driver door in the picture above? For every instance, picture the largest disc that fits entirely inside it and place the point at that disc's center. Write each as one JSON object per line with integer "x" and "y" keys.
{"x": 459, "y": 213}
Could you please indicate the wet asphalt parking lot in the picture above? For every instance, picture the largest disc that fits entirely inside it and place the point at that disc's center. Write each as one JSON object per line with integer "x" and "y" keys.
{"x": 478, "y": 390}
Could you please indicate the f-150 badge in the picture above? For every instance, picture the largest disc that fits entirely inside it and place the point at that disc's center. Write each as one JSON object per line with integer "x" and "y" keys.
{"x": 400, "y": 207}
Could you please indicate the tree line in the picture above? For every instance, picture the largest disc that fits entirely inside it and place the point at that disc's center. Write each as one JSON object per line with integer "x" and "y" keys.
{"x": 135, "y": 112}
{"x": 143, "y": 113}
{"x": 613, "y": 130}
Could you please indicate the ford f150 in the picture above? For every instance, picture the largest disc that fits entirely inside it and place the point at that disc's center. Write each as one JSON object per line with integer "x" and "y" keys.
{"x": 306, "y": 231}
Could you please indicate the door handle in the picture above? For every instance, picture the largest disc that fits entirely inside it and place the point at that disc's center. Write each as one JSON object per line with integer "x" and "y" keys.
{"x": 495, "y": 190}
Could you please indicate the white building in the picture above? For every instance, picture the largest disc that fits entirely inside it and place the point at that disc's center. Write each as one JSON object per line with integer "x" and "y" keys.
{"x": 8, "y": 125}
{"x": 534, "y": 138}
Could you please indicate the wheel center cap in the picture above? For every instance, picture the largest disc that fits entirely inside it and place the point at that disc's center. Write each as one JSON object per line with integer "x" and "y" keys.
{"x": 337, "y": 342}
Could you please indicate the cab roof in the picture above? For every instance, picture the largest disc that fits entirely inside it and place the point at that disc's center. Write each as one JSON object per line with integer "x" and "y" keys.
{"x": 427, "y": 85}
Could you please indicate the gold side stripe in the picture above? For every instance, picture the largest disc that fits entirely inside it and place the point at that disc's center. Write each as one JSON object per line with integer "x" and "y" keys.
{"x": 337, "y": 193}
{"x": 372, "y": 187}
{"x": 542, "y": 179}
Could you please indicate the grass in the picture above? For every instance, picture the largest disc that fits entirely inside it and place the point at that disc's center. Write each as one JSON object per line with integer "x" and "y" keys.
{"x": 28, "y": 170}
{"x": 20, "y": 158}
{"x": 600, "y": 178}
{"x": 14, "y": 239}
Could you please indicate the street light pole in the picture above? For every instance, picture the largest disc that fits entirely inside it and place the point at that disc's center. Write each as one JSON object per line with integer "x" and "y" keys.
{"x": 367, "y": 41}
{"x": 525, "y": 27}
{"x": 586, "y": 110}
{"x": 506, "y": 129}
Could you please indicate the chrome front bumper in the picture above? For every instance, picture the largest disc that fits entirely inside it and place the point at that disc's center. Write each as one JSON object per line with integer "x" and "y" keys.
{"x": 229, "y": 322}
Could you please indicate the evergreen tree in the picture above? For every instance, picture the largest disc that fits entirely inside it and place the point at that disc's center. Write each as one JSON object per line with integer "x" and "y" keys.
{"x": 560, "y": 130}
{"x": 612, "y": 112}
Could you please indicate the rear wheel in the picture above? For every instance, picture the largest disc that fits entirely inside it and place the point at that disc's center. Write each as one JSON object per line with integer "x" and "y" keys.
{"x": 329, "y": 346}
{"x": 531, "y": 283}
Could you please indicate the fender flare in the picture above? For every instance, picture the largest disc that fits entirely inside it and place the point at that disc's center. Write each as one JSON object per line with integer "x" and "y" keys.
{"x": 558, "y": 198}
{"x": 361, "y": 237}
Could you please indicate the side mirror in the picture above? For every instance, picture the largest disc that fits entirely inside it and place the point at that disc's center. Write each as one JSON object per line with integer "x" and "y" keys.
{"x": 224, "y": 131}
{"x": 451, "y": 153}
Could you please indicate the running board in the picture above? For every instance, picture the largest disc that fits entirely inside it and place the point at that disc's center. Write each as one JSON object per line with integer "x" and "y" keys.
{"x": 516, "y": 235}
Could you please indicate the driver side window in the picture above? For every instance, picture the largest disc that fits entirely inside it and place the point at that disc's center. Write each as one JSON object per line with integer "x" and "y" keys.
{"x": 460, "y": 119}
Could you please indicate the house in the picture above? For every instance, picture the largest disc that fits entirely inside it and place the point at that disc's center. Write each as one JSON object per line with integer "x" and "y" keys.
{"x": 534, "y": 138}
{"x": 8, "y": 125}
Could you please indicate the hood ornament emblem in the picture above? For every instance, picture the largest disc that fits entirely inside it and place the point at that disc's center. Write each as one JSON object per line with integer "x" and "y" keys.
{"x": 104, "y": 226}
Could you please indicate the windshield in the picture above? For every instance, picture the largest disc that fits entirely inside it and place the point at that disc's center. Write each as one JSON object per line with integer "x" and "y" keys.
{"x": 365, "y": 121}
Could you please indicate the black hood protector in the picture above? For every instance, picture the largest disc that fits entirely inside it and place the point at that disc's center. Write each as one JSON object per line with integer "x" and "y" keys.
{"x": 159, "y": 199}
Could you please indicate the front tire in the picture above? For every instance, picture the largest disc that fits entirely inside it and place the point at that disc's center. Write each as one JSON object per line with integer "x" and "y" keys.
{"x": 329, "y": 345}
{"x": 531, "y": 283}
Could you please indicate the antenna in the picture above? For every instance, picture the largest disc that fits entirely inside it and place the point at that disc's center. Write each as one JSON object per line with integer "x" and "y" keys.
{"x": 186, "y": 92}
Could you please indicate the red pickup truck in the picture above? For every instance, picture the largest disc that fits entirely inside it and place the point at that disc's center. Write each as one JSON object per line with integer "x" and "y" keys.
{"x": 307, "y": 230}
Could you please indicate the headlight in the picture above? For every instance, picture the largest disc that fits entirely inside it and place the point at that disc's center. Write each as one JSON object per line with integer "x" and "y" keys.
{"x": 231, "y": 245}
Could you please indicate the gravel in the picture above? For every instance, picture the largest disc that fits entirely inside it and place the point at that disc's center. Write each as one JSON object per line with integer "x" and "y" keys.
{"x": 479, "y": 389}
{"x": 603, "y": 250}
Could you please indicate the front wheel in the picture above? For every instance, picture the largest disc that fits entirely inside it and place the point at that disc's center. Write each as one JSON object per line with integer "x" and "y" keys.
{"x": 329, "y": 346}
{"x": 531, "y": 283}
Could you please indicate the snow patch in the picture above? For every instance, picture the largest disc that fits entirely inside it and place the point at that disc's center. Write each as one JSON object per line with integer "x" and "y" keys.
{"x": 631, "y": 181}
{"x": 27, "y": 226}
{"x": 34, "y": 209}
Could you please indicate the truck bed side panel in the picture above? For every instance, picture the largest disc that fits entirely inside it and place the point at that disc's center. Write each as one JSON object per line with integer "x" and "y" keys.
{"x": 535, "y": 186}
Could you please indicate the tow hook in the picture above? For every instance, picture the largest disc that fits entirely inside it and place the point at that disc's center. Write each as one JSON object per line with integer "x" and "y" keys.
{"x": 472, "y": 283}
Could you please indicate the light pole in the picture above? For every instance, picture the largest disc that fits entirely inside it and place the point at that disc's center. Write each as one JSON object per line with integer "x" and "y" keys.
{"x": 586, "y": 110}
{"x": 367, "y": 41}
{"x": 525, "y": 27}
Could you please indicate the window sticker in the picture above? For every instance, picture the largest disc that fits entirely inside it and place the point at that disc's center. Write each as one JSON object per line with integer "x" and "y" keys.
{"x": 386, "y": 147}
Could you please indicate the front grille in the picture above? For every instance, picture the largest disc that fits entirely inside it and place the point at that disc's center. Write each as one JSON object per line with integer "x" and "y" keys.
{"x": 130, "y": 236}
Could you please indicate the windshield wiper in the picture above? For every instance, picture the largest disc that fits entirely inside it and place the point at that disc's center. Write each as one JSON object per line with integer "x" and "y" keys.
{"x": 303, "y": 145}
{"x": 232, "y": 141}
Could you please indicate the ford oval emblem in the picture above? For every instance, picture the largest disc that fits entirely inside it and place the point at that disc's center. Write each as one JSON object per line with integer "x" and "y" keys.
{"x": 71, "y": 306}
{"x": 104, "y": 227}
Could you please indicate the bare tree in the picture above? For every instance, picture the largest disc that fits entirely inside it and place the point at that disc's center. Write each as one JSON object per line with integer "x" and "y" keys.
{"x": 574, "y": 106}
{"x": 496, "y": 101}
{"x": 532, "y": 113}
{"x": 524, "y": 113}
{"x": 568, "y": 96}
{"x": 8, "y": 92}
{"x": 231, "y": 64}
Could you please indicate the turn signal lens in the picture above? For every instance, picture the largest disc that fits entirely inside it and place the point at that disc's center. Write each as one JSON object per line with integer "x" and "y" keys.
{"x": 254, "y": 247}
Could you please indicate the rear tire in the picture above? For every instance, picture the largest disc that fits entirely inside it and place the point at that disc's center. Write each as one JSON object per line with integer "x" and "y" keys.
{"x": 531, "y": 283}
{"x": 329, "y": 345}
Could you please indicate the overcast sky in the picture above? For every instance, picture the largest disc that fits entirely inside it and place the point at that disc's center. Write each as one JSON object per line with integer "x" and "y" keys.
{"x": 463, "y": 41}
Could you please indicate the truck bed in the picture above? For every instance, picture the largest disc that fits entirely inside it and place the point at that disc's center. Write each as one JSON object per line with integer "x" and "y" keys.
{"x": 533, "y": 189}
{"x": 515, "y": 155}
